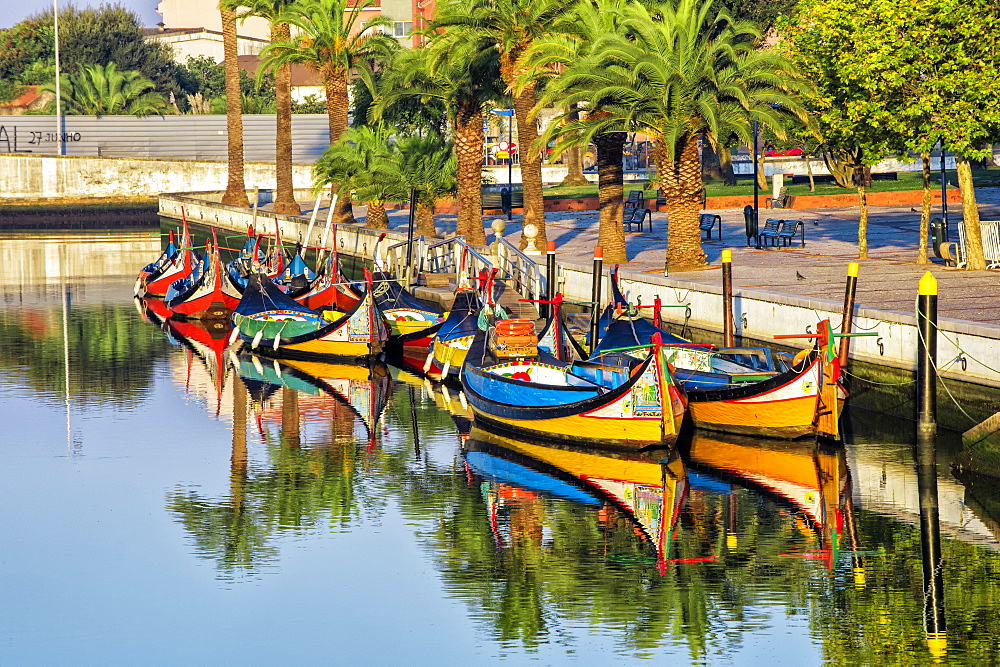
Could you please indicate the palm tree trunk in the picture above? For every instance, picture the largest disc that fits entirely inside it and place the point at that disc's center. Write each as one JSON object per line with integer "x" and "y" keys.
{"x": 726, "y": 165}
{"x": 337, "y": 107}
{"x": 974, "y": 257}
{"x": 236, "y": 191}
{"x": 573, "y": 158}
{"x": 425, "y": 220}
{"x": 377, "y": 218}
{"x": 531, "y": 165}
{"x": 284, "y": 196}
{"x": 925, "y": 209}
{"x": 469, "y": 142}
{"x": 680, "y": 180}
{"x": 610, "y": 188}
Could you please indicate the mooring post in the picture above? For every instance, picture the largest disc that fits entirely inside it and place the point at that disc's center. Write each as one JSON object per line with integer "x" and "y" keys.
{"x": 930, "y": 545}
{"x": 728, "y": 339}
{"x": 550, "y": 279}
{"x": 927, "y": 294}
{"x": 411, "y": 225}
{"x": 595, "y": 296}
{"x": 658, "y": 312}
{"x": 848, "y": 319}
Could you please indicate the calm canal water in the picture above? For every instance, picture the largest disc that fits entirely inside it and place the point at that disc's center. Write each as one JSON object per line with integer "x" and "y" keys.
{"x": 165, "y": 503}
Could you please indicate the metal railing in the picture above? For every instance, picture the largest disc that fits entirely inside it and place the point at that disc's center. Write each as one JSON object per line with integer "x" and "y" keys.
{"x": 990, "y": 234}
{"x": 520, "y": 271}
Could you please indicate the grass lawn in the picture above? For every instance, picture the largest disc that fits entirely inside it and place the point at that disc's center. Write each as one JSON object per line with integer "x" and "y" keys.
{"x": 908, "y": 180}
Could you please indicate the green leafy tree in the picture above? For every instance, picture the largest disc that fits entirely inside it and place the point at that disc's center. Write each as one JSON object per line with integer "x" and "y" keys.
{"x": 894, "y": 78}
{"x": 102, "y": 90}
{"x": 568, "y": 56}
{"x": 427, "y": 165}
{"x": 332, "y": 37}
{"x": 509, "y": 27}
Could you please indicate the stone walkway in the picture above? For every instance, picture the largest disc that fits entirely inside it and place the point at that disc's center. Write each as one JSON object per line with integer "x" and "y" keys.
{"x": 887, "y": 280}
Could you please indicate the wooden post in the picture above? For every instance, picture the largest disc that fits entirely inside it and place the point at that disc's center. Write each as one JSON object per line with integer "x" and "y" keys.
{"x": 728, "y": 338}
{"x": 550, "y": 279}
{"x": 595, "y": 297}
{"x": 927, "y": 355}
{"x": 847, "y": 321}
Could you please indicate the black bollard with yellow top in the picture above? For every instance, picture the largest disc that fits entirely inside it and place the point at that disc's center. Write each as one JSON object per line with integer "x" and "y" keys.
{"x": 927, "y": 294}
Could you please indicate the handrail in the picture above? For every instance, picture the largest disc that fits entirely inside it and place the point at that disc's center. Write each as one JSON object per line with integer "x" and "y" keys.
{"x": 521, "y": 269}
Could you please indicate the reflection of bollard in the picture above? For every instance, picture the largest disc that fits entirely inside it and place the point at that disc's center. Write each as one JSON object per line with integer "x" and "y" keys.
{"x": 595, "y": 297}
{"x": 550, "y": 278}
{"x": 848, "y": 319}
{"x": 927, "y": 354}
{"x": 930, "y": 545}
{"x": 728, "y": 340}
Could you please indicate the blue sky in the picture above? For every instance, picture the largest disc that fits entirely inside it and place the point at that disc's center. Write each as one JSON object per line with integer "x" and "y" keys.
{"x": 17, "y": 11}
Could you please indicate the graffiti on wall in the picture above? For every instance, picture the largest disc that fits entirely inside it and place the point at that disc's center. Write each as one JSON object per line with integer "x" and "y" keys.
{"x": 12, "y": 141}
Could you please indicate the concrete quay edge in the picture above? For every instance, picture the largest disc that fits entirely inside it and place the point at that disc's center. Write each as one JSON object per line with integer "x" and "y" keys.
{"x": 759, "y": 314}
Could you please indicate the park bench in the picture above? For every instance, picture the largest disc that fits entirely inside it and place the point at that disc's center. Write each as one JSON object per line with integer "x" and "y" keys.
{"x": 708, "y": 221}
{"x": 817, "y": 178}
{"x": 781, "y": 201}
{"x": 636, "y": 216}
{"x": 635, "y": 199}
{"x": 770, "y": 231}
{"x": 492, "y": 200}
{"x": 886, "y": 176}
{"x": 789, "y": 230}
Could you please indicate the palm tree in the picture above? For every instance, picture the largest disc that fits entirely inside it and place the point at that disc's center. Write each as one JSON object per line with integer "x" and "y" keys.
{"x": 99, "y": 90}
{"x": 284, "y": 195}
{"x": 677, "y": 71}
{"x": 466, "y": 79}
{"x": 427, "y": 165}
{"x": 570, "y": 47}
{"x": 236, "y": 191}
{"x": 510, "y": 27}
{"x": 332, "y": 39}
{"x": 364, "y": 161}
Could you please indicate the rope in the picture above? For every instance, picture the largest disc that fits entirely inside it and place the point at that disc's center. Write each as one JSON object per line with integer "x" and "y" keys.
{"x": 882, "y": 384}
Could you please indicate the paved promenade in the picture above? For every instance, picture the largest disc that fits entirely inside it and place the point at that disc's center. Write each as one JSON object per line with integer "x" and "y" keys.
{"x": 887, "y": 280}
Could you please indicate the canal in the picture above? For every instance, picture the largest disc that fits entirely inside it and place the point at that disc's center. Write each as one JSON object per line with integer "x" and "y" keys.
{"x": 164, "y": 501}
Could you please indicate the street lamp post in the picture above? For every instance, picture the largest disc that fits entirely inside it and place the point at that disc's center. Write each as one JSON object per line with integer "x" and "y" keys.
{"x": 756, "y": 163}
{"x": 510, "y": 157}
{"x": 60, "y": 146}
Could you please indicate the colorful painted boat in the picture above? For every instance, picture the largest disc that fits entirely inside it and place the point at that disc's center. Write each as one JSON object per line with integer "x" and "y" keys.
{"x": 805, "y": 400}
{"x": 204, "y": 294}
{"x": 272, "y": 323}
{"x": 175, "y": 263}
{"x": 454, "y": 338}
{"x": 586, "y": 402}
{"x": 412, "y": 323}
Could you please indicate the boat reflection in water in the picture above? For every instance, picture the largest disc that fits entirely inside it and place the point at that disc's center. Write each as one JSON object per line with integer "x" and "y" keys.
{"x": 324, "y": 388}
{"x": 809, "y": 478}
{"x": 647, "y": 489}
{"x": 665, "y": 492}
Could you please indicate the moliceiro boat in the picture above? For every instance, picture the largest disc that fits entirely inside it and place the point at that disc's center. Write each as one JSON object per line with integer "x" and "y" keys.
{"x": 272, "y": 323}
{"x": 204, "y": 294}
{"x": 583, "y": 402}
{"x": 805, "y": 400}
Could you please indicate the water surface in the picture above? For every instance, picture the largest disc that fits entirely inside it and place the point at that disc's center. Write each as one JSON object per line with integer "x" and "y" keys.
{"x": 165, "y": 502}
